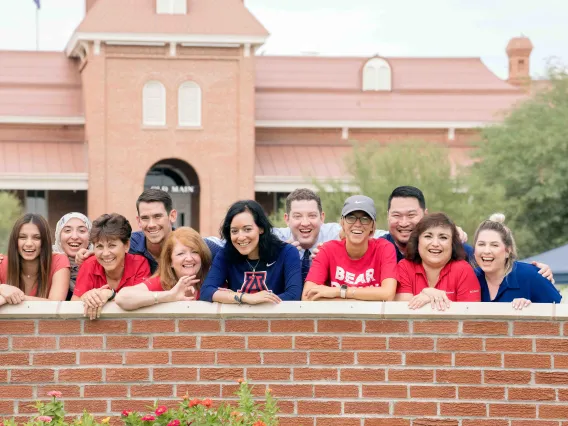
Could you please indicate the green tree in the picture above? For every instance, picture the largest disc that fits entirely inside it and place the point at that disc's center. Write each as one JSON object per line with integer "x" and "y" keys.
{"x": 10, "y": 210}
{"x": 377, "y": 169}
{"x": 527, "y": 155}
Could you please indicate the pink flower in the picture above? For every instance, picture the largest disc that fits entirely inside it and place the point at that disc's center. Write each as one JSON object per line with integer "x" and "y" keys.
{"x": 207, "y": 403}
{"x": 174, "y": 423}
{"x": 125, "y": 413}
{"x": 148, "y": 418}
{"x": 161, "y": 410}
{"x": 45, "y": 419}
{"x": 55, "y": 394}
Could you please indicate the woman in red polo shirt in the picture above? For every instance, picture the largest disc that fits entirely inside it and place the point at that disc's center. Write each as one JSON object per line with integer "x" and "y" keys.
{"x": 31, "y": 270}
{"x": 185, "y": 260}
{"x": 435, "y": 270}
{"x": 111, "y": 268}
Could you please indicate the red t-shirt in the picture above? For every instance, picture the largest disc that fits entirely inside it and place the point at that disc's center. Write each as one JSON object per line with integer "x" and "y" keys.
{"x": 92, "y": 274}
{"x": 457, "y": 279}
{"x": 155, "y": 284}
{"x": 333, "y": 266}
{"x": 58, "y": 261}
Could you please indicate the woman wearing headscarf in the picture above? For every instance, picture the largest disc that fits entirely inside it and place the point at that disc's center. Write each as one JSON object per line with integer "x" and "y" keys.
{"x": 72, "y": 234}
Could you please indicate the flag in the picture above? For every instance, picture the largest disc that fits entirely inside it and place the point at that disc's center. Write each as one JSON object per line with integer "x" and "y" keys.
{"x": 37, "y": 3}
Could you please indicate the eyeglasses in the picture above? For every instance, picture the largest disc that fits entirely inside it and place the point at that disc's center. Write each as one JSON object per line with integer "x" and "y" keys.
{"x": 351, "y": 219}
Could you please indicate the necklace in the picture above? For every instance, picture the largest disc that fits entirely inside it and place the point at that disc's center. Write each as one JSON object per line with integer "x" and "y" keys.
{"x": 255, "y": 266}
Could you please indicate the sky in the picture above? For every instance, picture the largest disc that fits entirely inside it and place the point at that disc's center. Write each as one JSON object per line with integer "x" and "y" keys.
{"x": 434, "y": 28}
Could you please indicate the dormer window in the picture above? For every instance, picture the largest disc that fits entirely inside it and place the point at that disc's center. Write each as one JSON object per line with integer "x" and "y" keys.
{"x": 171, "y": 7}
{"x": 377, "y": 75}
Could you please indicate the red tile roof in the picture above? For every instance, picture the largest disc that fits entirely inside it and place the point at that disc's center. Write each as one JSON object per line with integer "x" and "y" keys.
{"x": 39, "y": 84}
{"x": 409, "y": 74}
{"x": 204, "y": 17}
{"x": 42, "y": 157}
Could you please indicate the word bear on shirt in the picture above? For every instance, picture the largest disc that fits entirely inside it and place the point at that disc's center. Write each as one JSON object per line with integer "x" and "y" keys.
{"x": 349, "y": 278}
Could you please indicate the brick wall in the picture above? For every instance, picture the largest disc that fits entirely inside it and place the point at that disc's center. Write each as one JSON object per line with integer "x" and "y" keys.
{"x": 328, "y": 363}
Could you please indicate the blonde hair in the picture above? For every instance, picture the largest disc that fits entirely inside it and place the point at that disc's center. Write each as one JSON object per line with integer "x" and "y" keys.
{"x": 189, "y": 237}
{"x": 496, "y": 222}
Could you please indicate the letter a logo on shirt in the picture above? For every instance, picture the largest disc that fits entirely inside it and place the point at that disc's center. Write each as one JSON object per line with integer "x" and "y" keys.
{"x": 254, "y": 282}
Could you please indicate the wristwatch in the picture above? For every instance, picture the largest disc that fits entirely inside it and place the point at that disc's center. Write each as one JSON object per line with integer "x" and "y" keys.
{"x": 343, "y": 291}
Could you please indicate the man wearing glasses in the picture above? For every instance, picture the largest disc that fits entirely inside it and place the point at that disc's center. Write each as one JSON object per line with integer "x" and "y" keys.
{"x": 358, "y": 266}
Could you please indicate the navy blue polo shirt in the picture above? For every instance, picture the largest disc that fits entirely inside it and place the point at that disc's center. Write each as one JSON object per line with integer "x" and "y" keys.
{"x": 523, "y": 281}
{"x": 399, "y": 256}
{"x": 138, "y": 246}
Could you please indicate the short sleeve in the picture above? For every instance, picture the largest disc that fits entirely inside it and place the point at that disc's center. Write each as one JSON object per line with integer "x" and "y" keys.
{"x": 468, "y": 287}
{"x": 404, "y": 281}
{"x": 58, "y": 262}
{"x": 542, "y": 290}
{"x": 142, "y": 271}
{"x": 388, "y": 263}
{"x": 85, "y": 277}
{"x": 319, "y": 271}
{"x": 4, "y": 271}
{"x": 154, "y": 284}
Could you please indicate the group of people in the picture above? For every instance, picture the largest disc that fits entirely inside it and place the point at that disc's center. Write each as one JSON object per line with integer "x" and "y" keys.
{"x": 422, "y": 259}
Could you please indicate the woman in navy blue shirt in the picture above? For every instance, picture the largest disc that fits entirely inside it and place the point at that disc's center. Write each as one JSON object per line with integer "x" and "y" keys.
{"x": 501, "y": 277}
{"x": 257, "y": 266}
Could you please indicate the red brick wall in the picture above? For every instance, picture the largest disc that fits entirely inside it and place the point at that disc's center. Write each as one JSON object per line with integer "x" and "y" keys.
{"x": 325, "y": 371}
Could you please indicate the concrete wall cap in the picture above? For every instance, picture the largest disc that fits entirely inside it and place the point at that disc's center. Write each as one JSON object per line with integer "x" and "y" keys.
{"x": 343, "y": 309}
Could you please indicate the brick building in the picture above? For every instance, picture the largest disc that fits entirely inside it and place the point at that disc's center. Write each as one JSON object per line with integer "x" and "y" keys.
{"x": 169, "y": 93}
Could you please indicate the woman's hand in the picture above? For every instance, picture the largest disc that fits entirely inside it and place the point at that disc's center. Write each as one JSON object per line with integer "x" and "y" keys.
{"x": 322, "y": 292}
{"x": 184, "y": 290}
{"x": 13, "y": 295}
{"x": 94, "y": 300}
{"x": 437, "y": 298}
{"x": 82, "y": 255}
{"x": 260, "y": 297}
{"x": 521, "y": 303}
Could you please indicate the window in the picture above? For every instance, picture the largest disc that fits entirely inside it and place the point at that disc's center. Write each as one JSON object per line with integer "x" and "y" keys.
{"x": 36, "y": 202}
{"x": 189, "y": 104}
{"x": 154, "y": 104}
{"x": 377, "y": 75}
{"x": 171, "y": 7}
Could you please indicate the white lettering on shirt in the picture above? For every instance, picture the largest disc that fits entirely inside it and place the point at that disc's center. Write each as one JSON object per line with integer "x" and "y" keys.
{"x": 351, "y": 279}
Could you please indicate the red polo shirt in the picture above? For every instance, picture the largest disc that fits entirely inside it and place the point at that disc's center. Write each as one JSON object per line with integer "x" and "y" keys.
{"x": 457, "y": 279}
{"x": 92, "y": 274}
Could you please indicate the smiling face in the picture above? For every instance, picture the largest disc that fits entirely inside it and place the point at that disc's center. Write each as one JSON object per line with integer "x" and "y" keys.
{"x": 245, "y": 235}
{"x": 29, "y": 241}
{"x": 403, "y": 216}
{"x": 110, "y": 253}
{"x": 305, "y": 222}
{"x": 155, "y": 221}
{"x": 491, "y": 252}
{"x": 435, "y": 246}
{"x": 185, "y": 260}
{"x": 357, "y": 233}
{"x": 74, "y": 236}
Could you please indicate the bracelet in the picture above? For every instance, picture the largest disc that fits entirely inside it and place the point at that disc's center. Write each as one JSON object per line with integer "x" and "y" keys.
{"x": 155, "y": 298}
{"x": 237, "y": 299}
{"x": 112, "y": 295}
{"x": 241, "y": 299}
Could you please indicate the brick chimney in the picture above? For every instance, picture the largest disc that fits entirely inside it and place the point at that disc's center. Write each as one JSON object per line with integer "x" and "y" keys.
{"x": 519, "y": 51}
{"x": 88, "y": 5}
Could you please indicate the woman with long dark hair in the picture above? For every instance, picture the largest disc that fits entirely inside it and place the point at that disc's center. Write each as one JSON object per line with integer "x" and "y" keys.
{"x": 258, "y": 267}
{"x": 32, "y": 271}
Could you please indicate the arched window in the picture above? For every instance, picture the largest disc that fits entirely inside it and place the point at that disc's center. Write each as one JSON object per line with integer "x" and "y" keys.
{"x": 189, "y": 104}
{"x": 154, "y": 104}
{"x": 377, "y": 75}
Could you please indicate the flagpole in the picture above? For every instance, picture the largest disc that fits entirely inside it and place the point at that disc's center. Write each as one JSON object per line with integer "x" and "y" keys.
{"x": 37, "y": 28}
